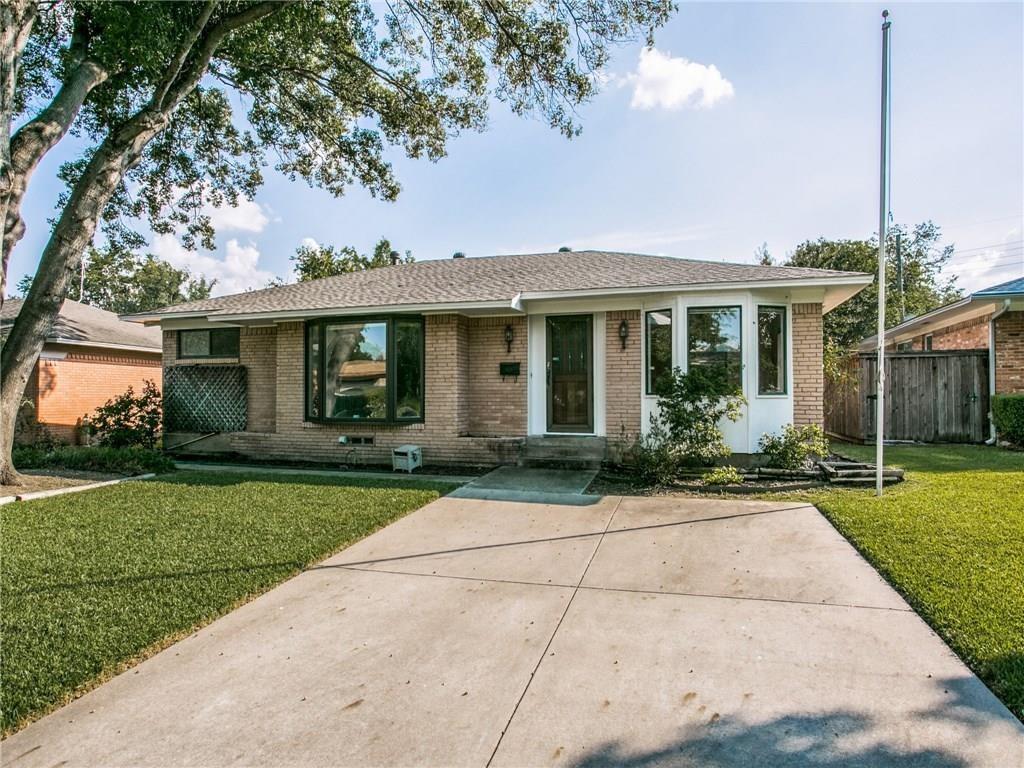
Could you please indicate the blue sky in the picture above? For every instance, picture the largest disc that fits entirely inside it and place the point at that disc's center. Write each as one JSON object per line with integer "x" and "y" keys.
{"x": 750, "y": 123}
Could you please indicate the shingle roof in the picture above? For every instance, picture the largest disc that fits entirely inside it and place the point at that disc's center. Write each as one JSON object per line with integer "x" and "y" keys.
{"x": 1010, "y": 287}
{"x": 493, "y": 279}
{"x": 80, "y": 323}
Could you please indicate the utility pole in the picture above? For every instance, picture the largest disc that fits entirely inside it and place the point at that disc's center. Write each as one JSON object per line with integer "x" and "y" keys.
{"x": 883, "y": 231}
{"x": 899, "y": 277}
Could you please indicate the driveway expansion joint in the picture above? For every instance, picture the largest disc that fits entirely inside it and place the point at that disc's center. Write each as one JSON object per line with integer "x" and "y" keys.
{"x": 547, "y": 646}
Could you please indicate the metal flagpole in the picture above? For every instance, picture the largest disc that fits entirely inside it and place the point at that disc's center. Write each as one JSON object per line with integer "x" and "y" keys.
{"x": 883, "y": 227}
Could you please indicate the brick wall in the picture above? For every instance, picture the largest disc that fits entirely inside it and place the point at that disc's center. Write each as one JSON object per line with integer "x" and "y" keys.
{"x": 257, "y": 351}
{"x": 65, "y": 390}
{"x": 496, "y": 406}
{"x": 808, "y": 378}
{"x": 623, "y": 377}
{"x": 1009, "y": 338}
{"x": 970, "y": 334}
{"x": 452, "y": 343}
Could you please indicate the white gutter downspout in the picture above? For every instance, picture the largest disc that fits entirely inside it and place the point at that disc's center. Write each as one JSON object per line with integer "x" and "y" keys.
{"x": 992, "y": 367}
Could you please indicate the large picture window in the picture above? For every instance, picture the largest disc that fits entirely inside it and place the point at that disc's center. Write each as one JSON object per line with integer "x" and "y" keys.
{"x": 771, "y": 350}
{"x": 658, "y": 327}
{"x": 714, "y": 338}
{"x": 366, "y": 369}
{"x": 208, "y": 342}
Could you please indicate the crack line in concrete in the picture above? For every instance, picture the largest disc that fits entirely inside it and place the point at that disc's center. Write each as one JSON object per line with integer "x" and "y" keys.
{"x": 551, "y": 639}
{"x": 629, "y": 590}
{"x": 567, "y": 537}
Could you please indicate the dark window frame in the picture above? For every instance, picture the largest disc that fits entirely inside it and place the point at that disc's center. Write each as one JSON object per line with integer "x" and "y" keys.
{"x": 391, "y": 367}
{"x": 209, "y": 344}
{"x": 739, "y": 325}
{"x": 785, "y": 350}
{"x": 648, "y": 383}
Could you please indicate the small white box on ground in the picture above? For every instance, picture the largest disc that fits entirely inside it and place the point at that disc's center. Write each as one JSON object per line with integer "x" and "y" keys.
{"x": 407, "y": 457}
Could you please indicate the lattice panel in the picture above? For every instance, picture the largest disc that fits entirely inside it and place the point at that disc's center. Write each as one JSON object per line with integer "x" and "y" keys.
{"x": 205, "y": 398}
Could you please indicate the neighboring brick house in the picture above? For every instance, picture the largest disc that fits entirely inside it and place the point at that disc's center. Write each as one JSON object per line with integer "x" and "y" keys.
{"x": 991, "y": 319}
{"x": 89, "y": 357}
{"x": 486, "y": 360}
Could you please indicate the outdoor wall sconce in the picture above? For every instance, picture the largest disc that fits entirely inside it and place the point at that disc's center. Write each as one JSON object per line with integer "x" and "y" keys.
{"x": 623, "y": 332}
{"x": 509, "y": 335}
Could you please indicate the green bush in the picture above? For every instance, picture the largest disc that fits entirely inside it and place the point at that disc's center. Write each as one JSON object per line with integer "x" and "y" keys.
{"x": 1008, "y": 416}
{"x": 722, "y": 476}
{"x": 685, "y": 433}
{"x": 794, "y": 446}
{"x": 129, "y": 419}
{"x": 125, "y": 461}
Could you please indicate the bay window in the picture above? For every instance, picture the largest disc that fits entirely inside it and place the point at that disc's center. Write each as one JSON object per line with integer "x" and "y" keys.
{"x": 771, "y": 350}
{"x": 365, "y": 369}
{"x": 714, "y": 338}
{"x": 658, "y": 341}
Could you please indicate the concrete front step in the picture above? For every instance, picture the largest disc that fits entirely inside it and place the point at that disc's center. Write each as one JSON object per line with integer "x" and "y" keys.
{"x": 564, "y": 452}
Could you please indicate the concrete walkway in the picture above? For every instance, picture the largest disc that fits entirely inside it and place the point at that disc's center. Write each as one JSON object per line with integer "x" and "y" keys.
{"x": 637, "y": 632}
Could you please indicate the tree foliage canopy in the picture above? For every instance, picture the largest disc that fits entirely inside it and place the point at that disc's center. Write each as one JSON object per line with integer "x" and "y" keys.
{"x": 312, "y": 262}
{"x": 120, "y": 281}
{"x": 924, "y": 287}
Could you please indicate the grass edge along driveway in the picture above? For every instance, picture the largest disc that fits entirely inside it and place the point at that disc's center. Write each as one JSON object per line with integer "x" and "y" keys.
{"x": 951, "y": 540}
{"x": 95, "y": 582}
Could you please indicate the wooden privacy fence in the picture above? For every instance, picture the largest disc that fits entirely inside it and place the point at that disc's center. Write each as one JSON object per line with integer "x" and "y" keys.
{"x": 931, "y": 397}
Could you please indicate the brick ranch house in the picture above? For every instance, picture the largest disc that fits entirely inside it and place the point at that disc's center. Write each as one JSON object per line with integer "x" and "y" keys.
{"x": 89, "y": 357}
{"x": 489, "y": 360}
{"x": 991, "y": 319}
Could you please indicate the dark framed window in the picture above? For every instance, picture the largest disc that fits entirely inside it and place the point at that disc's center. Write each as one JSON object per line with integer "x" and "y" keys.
{"x": 365, "y": 369}
{"x": 208, "y": 342}
{"x": 928, "y": 343}
{"x": 771, "y": 350}
{"x": 905, "y": 346}
{"x": 714, "y": 337}
{"x": 658, "y": 327}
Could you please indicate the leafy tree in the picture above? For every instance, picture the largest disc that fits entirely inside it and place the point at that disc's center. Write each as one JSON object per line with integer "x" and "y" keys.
{"x": 313, "y": 262}
{"x": 149, "y": 88}
{"x": 924, "y": 286}
{"x": 764, "y": 258}
{"x": 120, "y": 281}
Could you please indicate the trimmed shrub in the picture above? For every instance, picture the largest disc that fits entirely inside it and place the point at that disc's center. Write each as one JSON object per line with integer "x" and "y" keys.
{"x": 129, "y": 419}
{"x": 794, "y": 446}
{"x": 722, "y": 476}
{"x": 1008, "y": 416}
{"x": 686, "y": 431}
{"x": 125, "y": 461}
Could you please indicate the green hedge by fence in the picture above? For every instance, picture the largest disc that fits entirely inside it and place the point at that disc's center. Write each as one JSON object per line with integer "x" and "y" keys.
{"x": 1008, "y": 415}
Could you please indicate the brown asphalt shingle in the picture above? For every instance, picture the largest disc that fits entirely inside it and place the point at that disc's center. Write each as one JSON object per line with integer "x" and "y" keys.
{"x": 83, "y": 323}
{"x": 492, "y": 278}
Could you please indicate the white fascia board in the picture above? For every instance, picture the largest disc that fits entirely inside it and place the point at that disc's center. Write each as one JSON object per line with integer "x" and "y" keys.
{"x": 852, "y": 280}
{"x": 301, "y": 314}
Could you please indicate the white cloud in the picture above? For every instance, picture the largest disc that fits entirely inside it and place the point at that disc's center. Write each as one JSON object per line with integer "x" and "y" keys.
{"x": 309, "y": 242}
{"x": 247, "y": 216}
{"x": 237, "y": 271}
{"x": 663, "y": 81}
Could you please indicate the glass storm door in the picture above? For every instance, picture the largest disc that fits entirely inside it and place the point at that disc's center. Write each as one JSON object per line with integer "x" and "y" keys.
{"x": 570, "y": 374}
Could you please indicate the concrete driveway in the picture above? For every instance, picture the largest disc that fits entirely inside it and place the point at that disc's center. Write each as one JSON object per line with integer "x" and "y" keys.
{"x": 639, "y": 632}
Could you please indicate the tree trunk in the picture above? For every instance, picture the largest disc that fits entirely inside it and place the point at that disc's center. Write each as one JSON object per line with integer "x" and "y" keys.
{"x": 34, "y": 139}
{"x": 16, "y": 20}
{"x": 75, "y": 228}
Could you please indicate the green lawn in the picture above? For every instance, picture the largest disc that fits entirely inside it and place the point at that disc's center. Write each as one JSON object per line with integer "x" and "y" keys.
{"x": 951, "y": 540}
{"x": 92, "y": 582}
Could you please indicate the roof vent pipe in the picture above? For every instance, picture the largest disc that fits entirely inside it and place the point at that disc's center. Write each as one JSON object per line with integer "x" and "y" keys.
{"x": 458, "y": 255}
{"x": 394, "y": 257}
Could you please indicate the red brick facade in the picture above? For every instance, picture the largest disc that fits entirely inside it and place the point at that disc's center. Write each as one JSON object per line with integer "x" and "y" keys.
{"x": 1009, "y": 338}
{"x": 970, "y": 334}
{"x": 69, "y": 382}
